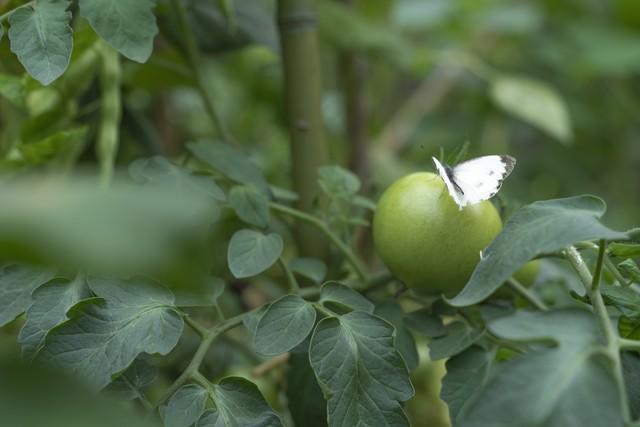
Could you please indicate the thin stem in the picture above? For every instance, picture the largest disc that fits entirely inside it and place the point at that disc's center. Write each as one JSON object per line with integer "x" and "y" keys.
{"x": 591, "y": 286}
{"x": 10, "y": 12}
{"x": 199, "y": 329}
{"x": 611, "y": 267}
{"x": 597, "y": 274}
{"x": 527, "y": 294}
{"x": 293, "y": 283}
{"x": 194, "y": 61}
{"x": 320, "y": 225}
{"x": 627, "y": 344}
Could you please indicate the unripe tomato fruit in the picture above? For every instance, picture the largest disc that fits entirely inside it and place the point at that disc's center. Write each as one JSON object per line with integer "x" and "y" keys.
{"x": 425, "y": 240}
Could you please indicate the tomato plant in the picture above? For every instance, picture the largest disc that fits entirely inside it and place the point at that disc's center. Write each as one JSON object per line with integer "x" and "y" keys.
{"x": 206, "y": 220}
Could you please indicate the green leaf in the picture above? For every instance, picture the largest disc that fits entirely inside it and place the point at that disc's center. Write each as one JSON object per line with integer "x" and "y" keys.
{"x": 363, "y": 375}
{"x": 549, "y": 386}
{"x": 185, "y": 406}
{"x": 403, "y": 340}
{"x": 40, "y": 35}
{"x": 16, "y": 284}
{"x": 535, "y": 103}
{"x": 285, "y": 324}
{"x": 311, "y": 268}
{"x": 631, "y": 375}
{"x": 230, "y": 162}
{"x": 238, "y": 404}
{"x": 128, "y": 26}
{"x": 306, "y": 402}
{"x": 624, "y": 299}
{"x": 129, "y": 385}
{"x": 51, "y": 302}
{"x": 13, "y": 89}
{"x": 629, "y": 327}
{"x": 52, "y": 146}
{"x": 467, "y": 373}
{"x": 364, "y": 202}
{"x": 425, "y": 323}
{"x": 251, "y": 206}
{"x": 251, "y": 252}
{"x": 624, "y": 250}
{"x": 104, "y": 335}
{"x": 458, "y": 337}
{"x": 335, "y": 292}
{"x": 251, "y": 319}
{"x": 631, "y": 269}
{"x": 338, "y": 182}
{"x": 541, "y": 227}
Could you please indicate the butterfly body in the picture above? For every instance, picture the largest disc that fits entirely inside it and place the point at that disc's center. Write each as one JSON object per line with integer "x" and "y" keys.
{"x": 475, "y": 180}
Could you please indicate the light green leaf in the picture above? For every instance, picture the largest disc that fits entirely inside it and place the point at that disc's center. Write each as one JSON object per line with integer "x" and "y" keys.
{"x": 41, "y": 37}
{"x": 458, "y": 337}
{"x": 16, "y": 284}
{"x": 403, "y": 340}
{"x": 549, "y": 386}
{"x": 104, "y": 335}
{"x": 13, "y": 88}
{"x": 251, "y": 206}
{"x": 128, "y": 26}
{"x": 52, "y": 146}
{"x": 238, "y": 404}
{"x": 467, "y": 373}
{"x": 535, "y": 103}
{"x": 363, "y": 375}
{"x": 311, "y": 268}
{"x": 230, "y": 162}
{"x": 624, "y": 250}
{"x": 425, "y": 323}
{"x": 335, "y": 292}
{"x": 51, "y": 302}
{"x": 338, "y": 182}
{"x": 540, "y": 227}
{"x": 285, "y": 324}
{"x": 251, "y": 252}
{"x": 306, "y": 403}
{"x": 631, "y": 269}
{"x": 130, "y": 383}
{"x": 624, "y": 299}
{"x": 185, "y": 406}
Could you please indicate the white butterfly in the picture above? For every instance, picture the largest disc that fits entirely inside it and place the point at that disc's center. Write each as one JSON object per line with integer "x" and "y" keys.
{"x": 475, "y": 180}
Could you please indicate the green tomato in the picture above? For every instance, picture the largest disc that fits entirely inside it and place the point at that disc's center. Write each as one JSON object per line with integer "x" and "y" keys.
{"x": 528, "y": 273}
{"x": 425, "y": 239}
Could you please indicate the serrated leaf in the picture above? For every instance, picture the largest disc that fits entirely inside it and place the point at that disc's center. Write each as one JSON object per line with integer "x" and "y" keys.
{"x": 624, "y": 250}
{"x": 458, "y": 337}
{"x": 285, "y": 324}
{"x": 425, "y": 323}
{"x": 238, "y": 404}
{"x": 129, "y": 384}
{"x": 342, "y": 294}
{"x": 251, "y": 252}
{"x": 16, "y": 284}
{"x": 363, "y": 375}
{"x": 251, "y": 206}
{"x": 229, "y": 162}
{"x": 51, "y": 302}
{"x": 404, "y": 341}
{"x": 338, "y": 182}
{"x": 535, "y": 103}
{"x": 128, "y": 26}
{"x": 526, "y": 391}
{"x": 541, "y": 227}
{"x": 306, "y": 402}
{"x": 467, "y": 373}
{"x": 185, "y": 406}
{"x": 104, "y": 335}
{"x": 311, "y": 268}
{"x": 41, "y": 37}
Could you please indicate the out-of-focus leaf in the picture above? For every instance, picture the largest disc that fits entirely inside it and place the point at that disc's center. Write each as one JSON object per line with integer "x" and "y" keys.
{"x": 629, "y": 327}
{"x": 630, "y": 267}
{"x": 251, "y": 206}
{"x": 12, "y": 88}
{"x": 338, "y": 182}
{"x": 306, "y": 403}
{"x": 131, "y": 382}
{"x": 458, "y": 337}
{"x": 534, "y": 102}
{"x": 16, "y": 284}
{"x": 403, "y": 341}
{"x": 251, "y": 252}
{"x": 425, "y": 323}
{"x": 311, "y": 268}
{"x": 624, "y": 299}
{"x": 624, "y": 250}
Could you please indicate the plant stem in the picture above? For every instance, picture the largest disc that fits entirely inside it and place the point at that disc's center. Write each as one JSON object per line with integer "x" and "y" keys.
{"x": 324, "y": 229}
{"x": 627, "y": 344}
{"x": 527, "y": 294}
{"x": 291, "y": 279}
{"x": 612, "y": 340}
{"x": 193, "y": 59}
{"x": 302, "y": 101}
{"x": 200, "y": 330}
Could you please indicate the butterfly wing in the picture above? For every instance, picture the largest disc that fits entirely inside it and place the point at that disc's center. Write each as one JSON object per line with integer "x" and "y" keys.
{"x": 480, "y": 178}
{"x": 446, "y": 173}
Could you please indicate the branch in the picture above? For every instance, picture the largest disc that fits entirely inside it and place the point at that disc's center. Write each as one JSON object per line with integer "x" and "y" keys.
{"x": 525, "y": 293}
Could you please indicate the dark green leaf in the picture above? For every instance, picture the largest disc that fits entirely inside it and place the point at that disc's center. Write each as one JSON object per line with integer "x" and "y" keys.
{"x": 363, "y": 375}
{"x": 41, "y": 37}
{"x": 131, "y": 382}
{"x": 629, "y": 327}
{"x": 16, "y": 284}
{"x": 251, "y": 252}
{"x": 467, "y": 373}
{"x": 306, "y": 403}
{"x": 342, "y": 294}
{"x": 624, "y": 250}
{"x": 128, "y": 26}
{"x": 404, "y": 341}
{"x": 185, "y": 406}
{"x": 631, "y": 375}
{"x": 104, "y": 335}
{"x": 458, "y": 337}
{"x": 285, "y": 324}
{"x": 251, "y": 206}
{"x": 311, "y": 268}
{"x": 425, "y": 323}
{"x": 541, "y": 227}
{"x": 230, "y": 163}
{"x": 51, "y": 302}
{"x": 338, "y": 182}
